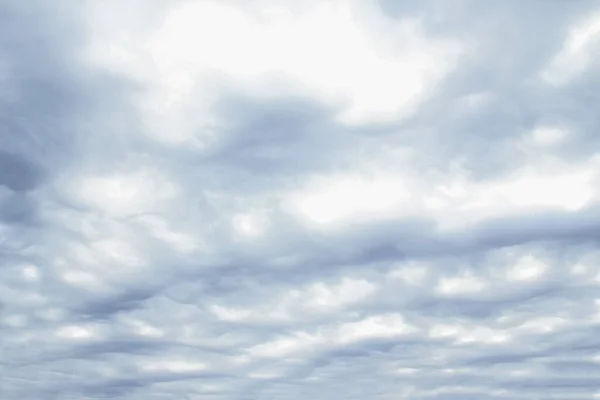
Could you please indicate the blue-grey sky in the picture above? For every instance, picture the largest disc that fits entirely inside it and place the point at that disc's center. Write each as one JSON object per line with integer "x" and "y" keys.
{"x": 291, "y": 200}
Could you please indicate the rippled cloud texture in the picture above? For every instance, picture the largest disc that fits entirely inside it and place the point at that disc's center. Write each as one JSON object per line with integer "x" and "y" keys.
{"x": 319, "y": 199}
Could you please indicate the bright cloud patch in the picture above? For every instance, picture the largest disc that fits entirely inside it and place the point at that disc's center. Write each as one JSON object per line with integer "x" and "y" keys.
{"x": 340, "y": 198}
{"x": 578, "y": 50}
{"x": 347, "y": 55}
{"x": 299, "y": 200}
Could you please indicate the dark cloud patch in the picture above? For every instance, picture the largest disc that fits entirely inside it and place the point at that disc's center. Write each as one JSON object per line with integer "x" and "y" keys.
{"x": 266, "y": 140}
{"x": 18, "y": 208}
{"x": 43, "y": 86}
{"x": 17, "y": 173}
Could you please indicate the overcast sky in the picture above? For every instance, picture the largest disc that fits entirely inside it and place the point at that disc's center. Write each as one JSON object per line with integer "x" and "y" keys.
{"x": 293, "y": 200}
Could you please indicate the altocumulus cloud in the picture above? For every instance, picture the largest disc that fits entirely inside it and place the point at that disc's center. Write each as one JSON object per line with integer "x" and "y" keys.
{"x": 266, "y": 199}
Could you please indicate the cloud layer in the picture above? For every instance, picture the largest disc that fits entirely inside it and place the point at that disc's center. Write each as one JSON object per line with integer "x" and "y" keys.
{"x": 299, "y": 200}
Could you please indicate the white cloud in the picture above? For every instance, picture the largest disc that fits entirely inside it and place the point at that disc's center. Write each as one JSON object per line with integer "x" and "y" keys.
{"x": 527, "y": 268}
{"x": 77, "y": 332}
{"x": 281, "y": 347}
{"x": 548, "y": 136}
{"x": 576, "y": 55}
{"x": 413, "y": 274}
{"x": 125, "y": 193}
{"x": 462, "y": 284}
{"x": 175, "y": 366}
{"x": 343, "y": 54}
{"x": 375, "y": 327}
{"x": 340, "y": 198}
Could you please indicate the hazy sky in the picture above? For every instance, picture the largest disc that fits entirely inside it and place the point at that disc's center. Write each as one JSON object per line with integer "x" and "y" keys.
{"x": 293, "y": 200}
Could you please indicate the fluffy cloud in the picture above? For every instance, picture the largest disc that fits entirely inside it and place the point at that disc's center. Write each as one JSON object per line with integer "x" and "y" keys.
{"x": 277, "y": 199}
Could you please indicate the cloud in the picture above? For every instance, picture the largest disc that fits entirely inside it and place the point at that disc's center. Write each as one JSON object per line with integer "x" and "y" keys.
{"x": 254, "y": 200}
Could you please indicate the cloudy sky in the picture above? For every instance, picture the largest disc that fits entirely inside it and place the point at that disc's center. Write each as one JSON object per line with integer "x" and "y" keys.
{"x": 317, "y": 199}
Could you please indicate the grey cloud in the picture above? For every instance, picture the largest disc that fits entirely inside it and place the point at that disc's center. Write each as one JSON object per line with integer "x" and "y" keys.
{"x": 508, "y": 46}
{"x": 83, "y": 317}
{"x": 18, "y": 174}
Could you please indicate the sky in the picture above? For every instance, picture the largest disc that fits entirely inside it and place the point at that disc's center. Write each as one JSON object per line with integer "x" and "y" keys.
{"x": 290, "y": 200}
